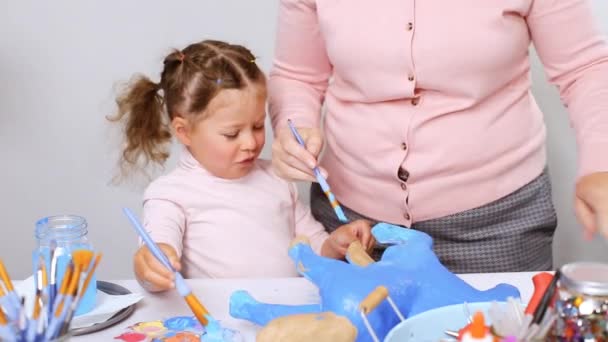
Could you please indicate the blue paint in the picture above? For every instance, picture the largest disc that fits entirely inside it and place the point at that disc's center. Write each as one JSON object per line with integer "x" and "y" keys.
{"x": 242, "y": 304}
{"x": 215, "y": 333}
{"x": 409, "y": 269}
{"x": 180, "y": 323}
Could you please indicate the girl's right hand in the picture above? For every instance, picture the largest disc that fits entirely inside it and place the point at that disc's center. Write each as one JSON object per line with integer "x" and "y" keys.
{"x": 293, "y": 162}
{"x": 151, "y": 274}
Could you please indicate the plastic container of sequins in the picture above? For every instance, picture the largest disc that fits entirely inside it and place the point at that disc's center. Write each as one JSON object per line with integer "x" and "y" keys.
{"x": 582, "y": 303}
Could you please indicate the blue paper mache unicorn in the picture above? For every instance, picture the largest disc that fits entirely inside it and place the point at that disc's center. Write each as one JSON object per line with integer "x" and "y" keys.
{"x": 415, "y": 278}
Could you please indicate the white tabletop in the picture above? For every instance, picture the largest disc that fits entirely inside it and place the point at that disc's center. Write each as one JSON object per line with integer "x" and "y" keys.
{"x": 214, "y": 294}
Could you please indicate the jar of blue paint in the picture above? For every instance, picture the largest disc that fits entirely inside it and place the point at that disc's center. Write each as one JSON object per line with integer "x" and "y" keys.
{"x": 67, "y": 233}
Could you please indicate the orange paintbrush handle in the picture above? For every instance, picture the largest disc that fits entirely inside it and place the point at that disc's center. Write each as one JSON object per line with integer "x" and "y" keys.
{"x": 37, "y": 308}
{"x": 197, "y": 308}
{"x": 65, "y": 282}
{"x": 5, "y": 278}
{"x": 541, "y": 281}
{"x": 3, "y": 320}
{"x": 63, "y": 289}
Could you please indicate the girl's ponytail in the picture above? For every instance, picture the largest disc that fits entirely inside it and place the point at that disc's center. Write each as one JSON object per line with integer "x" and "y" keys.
{"x": 141, "y": 107}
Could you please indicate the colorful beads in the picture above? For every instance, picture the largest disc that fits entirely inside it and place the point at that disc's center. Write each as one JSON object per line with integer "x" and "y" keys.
{"x": 582, "y": 319}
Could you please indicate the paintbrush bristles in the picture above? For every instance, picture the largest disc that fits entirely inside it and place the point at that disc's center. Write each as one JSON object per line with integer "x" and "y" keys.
{"x": 82, "y": 258}
{"x": 90, "y": 273}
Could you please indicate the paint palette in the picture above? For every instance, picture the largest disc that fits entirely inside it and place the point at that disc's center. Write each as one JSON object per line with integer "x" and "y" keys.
{"x": 175, "y": 329}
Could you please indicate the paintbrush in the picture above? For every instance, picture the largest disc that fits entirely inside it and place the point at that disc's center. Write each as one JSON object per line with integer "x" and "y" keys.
{"x": 63, "y": 289}
{"x": 39, "y": 327}
{"x": 52, "y": 290}
{"x": 22, "y": 321}
{"x": 546, "y": 299}
{"x": 3, "y": 319}
{"x": 182, "y": 288}
{"x": 57, "y": 320}
{"x": 11, "y": 297}
{"x": 4, "y": 328}
{"x": 81, "y": 259}
{"x": 80, "y": 293}
{"x": 322, "y": 182}
{"x": 37, "y": 306}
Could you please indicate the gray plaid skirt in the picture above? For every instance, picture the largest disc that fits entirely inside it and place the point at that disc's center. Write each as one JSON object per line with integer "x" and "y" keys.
{"x": 511, "y": 234}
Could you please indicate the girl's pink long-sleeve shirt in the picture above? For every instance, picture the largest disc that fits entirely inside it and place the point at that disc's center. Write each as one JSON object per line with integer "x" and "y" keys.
{"x": 229, "y": 228}
{"x": 428, "y": 104}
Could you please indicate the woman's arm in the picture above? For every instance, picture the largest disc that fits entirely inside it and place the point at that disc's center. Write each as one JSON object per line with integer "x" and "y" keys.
{"x": 575, "y": 57}
{"x": 301, "y": 68}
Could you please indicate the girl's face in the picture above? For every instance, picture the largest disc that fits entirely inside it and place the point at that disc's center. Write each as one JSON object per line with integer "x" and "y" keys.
{"x": 230, "y": 137}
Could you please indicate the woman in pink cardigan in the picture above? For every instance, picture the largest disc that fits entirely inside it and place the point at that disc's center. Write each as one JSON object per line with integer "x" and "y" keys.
{"x": 429, "y": 121}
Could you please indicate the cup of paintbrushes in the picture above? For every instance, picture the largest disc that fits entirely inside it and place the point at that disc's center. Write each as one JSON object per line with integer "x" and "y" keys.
{"x": 38, "y": 325}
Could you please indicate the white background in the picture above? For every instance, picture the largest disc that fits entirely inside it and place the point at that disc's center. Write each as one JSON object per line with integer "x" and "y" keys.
{"x": 60, "y": 63}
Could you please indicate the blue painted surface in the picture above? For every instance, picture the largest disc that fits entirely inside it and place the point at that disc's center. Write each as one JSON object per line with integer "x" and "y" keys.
{"x": 409, "y": 269}
{"x": 180, "y": 323}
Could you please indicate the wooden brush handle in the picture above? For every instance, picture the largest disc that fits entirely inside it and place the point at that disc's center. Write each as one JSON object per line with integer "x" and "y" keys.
{"x": 357, "y": 254}
{"x": 197, "y": 308}
{"x": 373, "y": 299}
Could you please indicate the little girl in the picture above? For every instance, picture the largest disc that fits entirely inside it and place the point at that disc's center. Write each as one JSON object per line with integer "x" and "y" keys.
{"x": 222, "y": 212}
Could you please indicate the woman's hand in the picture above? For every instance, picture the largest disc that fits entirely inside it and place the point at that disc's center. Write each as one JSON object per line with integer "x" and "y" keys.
{"x": 338, "y": 241}
{"x": 591, "y": 204}
{"x": 293, "y": 162}
{"x": 151, "y": 274}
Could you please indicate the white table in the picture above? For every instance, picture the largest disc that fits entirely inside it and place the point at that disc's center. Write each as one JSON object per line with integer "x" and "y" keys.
{"x": 214, "y": 294}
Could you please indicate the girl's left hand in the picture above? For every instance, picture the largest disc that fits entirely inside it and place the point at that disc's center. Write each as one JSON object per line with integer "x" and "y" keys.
{"x": 336, "y": 245}
{"x": 591, "y": 204}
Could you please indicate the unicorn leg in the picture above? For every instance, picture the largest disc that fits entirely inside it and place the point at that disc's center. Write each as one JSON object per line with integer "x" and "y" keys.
{"x": 319, "y": 270}
{"x": 244, "y": 306}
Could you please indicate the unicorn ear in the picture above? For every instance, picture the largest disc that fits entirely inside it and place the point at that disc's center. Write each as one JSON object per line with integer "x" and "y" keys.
{"x": 389, "y": 234}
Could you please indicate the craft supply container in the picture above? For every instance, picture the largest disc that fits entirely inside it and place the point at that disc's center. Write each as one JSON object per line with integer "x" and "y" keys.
{"x": 582, "y": 303}
{"x": 70, "y": 233}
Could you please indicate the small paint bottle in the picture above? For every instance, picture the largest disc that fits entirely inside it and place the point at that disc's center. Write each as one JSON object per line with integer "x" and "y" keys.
{"x": 477, "y": 330}
{"x": 66, "y": 233}
{"x": 582, "y": 303}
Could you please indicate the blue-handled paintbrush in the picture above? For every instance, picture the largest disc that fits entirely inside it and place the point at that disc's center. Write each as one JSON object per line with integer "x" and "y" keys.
{"x": 322, "y": 182}
{"x": 184, "y": 290}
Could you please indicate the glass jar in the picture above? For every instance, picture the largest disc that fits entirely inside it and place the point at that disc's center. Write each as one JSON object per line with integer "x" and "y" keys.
{"x": 582, "y": 303}
{"x": 70, "y": 234}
